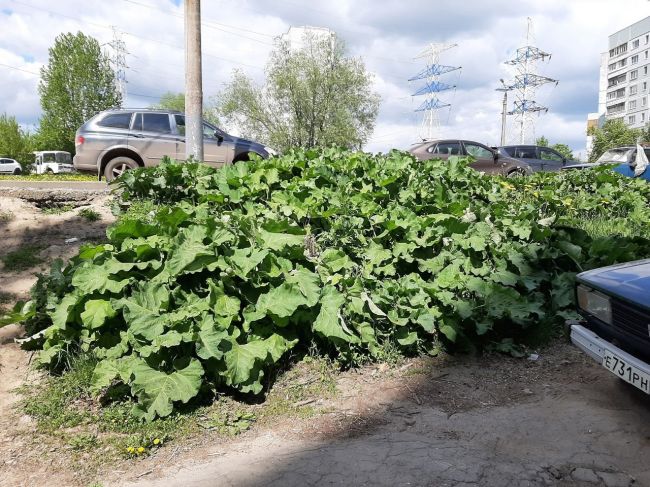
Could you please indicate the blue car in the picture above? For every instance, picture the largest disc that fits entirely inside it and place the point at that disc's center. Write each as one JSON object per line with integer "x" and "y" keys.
{"x": 614, "y": 303}
{"x": 622, "y": 159}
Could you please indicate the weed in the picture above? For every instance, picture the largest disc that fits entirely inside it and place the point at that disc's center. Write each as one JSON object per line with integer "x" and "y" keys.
{"x": 20, "y": 260}
{"x": 83, "y": 442}
{"x": 57, "y": 210}
{"x": 90, "y": 214}
{"x": 6, "y": 216}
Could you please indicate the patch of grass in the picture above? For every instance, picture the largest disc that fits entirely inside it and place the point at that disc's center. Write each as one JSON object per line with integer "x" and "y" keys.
{"x": 6, "y": 216}
{"x": 607, "y": 227}
{"x": 89, "y": 214}
{"x": 20, "y": 260}
{"x": 140, "y": 210}
{"x": 57, "y": 210}
{"x": 50, "y": 177}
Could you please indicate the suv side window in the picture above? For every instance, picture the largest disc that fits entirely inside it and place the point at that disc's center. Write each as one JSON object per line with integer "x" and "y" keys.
{"x": 549, "y": 155}
{"x": 180, "y": 124}
{"x": 447, "y": 148}
{"x": 152, "y": 122}
{"x": 525, "y": 153}
{"x": 116, "y": 120}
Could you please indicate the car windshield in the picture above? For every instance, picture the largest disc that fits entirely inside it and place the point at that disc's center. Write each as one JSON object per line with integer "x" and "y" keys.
{"x": 615, "y": 155}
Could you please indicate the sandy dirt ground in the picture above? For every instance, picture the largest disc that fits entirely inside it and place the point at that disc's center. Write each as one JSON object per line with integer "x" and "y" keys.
{"x": 560, "y": 420}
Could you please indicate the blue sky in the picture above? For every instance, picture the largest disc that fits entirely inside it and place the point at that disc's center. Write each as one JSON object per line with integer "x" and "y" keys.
{"x": 387, "y": 35}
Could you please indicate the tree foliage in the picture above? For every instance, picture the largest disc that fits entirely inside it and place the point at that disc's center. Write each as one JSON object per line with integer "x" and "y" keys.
{"x": 15, "y": 142}
{"x": 613, "y": 133}
{"x": 176, "y": 101}
{"x": 314, "y": 96}
{"x": 563, "y": 149}
{"x": 76, "y": 84}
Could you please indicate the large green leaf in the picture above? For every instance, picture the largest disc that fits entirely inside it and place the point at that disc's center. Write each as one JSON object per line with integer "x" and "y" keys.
{"x": 95, "y": 313}
{"x": 157, "y": 391}
{"x": 329, "y": 323}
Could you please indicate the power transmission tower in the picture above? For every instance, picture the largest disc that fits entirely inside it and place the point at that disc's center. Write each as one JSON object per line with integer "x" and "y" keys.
{"x": 431, "y": 74}
{"x": 118, "y": 60}
{"x": 525, "y": 84}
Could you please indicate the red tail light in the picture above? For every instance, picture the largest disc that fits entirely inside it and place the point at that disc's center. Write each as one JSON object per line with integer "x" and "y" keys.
{"x": 80, "y": 140}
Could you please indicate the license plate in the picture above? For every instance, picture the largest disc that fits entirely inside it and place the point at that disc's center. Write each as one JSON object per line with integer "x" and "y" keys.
{"x": 629, "y": 373}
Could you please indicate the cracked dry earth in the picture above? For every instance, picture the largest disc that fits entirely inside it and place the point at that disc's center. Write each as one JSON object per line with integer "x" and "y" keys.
{"x": 558, "y": 421}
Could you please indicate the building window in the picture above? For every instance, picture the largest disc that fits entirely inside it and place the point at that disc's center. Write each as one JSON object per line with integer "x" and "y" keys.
{"x": 633, "y": 89}
{"x": 634, "y": 74}
{"x": 622, "y": 62}
{"x": 611, "y": 67}
{"x": 645, "y": 70}
{"x": 631, "y": 119}
{"x": 618, "y": 50}
{"x": 635, "y": 59}
{"x": 643, "y": 117}
{"x": 635, "y": 44}
{"x": 644, "y": 86}
{"x": 644, "y": 100}
{"x": 631, "y": 105}
{"x": 646, "y": 54}
{"x": 647, "y": 38}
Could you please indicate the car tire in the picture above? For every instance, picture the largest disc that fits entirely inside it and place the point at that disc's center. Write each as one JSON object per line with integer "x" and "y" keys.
{"x": 17, "y": 171}
{"x": 117, "y": 166}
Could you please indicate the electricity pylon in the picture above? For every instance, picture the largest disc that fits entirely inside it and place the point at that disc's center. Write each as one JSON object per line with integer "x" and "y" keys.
{"x": 118, "y": 60}
{"x": 525, "y": 85}
{"x": 431, "y": 74}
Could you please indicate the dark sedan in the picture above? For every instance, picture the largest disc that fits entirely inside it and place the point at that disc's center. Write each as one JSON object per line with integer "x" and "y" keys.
{"x": 485, "y": 159}
{"x": 615, "y": 331}
{"x": 537, "y": 157}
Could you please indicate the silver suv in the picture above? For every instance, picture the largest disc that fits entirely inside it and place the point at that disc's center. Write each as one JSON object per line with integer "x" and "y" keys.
{"x": 117, "y": 140}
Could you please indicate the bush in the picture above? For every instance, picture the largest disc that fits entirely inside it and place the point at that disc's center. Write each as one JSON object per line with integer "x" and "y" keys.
{"x": 351, "y": 251}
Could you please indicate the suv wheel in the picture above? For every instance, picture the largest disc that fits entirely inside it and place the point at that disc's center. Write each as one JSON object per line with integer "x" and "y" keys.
{"x": 117, "y": 166}
{"x": 17, "y": 171}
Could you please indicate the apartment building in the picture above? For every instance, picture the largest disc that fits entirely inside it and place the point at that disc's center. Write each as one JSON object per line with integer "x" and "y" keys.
{"x": 625, "y": 76}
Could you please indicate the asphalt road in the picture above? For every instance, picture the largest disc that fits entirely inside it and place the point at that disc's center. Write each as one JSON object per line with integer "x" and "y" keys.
{"x": 64, "y": 185}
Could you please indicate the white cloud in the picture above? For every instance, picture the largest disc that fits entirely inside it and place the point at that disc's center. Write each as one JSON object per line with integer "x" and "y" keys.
{"x": 388, "y": 35}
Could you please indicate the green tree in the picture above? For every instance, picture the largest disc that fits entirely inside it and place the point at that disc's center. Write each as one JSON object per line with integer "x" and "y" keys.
{"x": 613, "y": 133}
{"x": 313, "y": 96}
{"x": 77, "y": 83}
{"x": 176, "y": 101}
{"x": 15, "y": 142}
{"x": 563, "y": 149}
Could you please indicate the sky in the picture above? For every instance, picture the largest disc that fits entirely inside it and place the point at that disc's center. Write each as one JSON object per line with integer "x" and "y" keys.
{"x": 388, "y": 35}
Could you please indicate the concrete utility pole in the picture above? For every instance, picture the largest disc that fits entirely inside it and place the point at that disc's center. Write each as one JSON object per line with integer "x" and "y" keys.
{"x": 193, "y": 81}
{"x": 504, "y": 110}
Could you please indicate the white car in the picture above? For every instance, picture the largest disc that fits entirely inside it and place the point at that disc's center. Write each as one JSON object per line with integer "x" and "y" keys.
{"x": 9, "y": 166}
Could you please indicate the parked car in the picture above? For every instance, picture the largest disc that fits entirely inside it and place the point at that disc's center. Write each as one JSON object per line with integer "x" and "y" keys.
{"x": 52, "y": 162}
{"x": 623, "y": 160}
{"x": 537, "y": 157}
{"x": 614, "y": 302}
{"x": 117, "y": 140}
{"x": 486, "y": 160}
{"x": 9, "y": 166}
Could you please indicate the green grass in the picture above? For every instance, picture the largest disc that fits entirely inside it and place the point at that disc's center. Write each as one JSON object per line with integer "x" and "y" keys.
{"x": 49, "y": 177}
{"x": 606, "y": 227}
{"x": 20, "y": 260}
{"x": 6, "y": 216}
{"x": 89, "y": 214}
{"x": 57, "y": 210}
{"x": 68, "y": 413}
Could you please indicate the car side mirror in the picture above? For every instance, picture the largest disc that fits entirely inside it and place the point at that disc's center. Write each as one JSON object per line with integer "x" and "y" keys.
{"x": 218, "y": 136}
{"x": 496, "y": 156}
{"x": 564, "y": 161}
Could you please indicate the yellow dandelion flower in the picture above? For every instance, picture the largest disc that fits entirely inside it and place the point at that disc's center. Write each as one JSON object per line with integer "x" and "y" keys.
{"x": 156, "y": 441}
{"x": 141, "y": 449}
